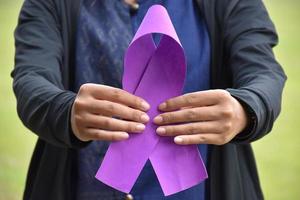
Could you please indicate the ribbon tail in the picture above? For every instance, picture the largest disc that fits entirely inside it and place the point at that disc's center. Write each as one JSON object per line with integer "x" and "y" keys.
{"x": 177, "y": 167}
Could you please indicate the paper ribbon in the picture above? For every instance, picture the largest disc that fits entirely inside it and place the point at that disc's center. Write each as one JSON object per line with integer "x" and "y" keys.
{"x": 155, "y": 73}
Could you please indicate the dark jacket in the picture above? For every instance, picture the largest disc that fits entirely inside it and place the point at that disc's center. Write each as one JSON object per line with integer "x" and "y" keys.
{"x": 242, "y": 37}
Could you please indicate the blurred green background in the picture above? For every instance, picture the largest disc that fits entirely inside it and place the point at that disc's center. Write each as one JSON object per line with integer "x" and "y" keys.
{"x": 277, "y": 154}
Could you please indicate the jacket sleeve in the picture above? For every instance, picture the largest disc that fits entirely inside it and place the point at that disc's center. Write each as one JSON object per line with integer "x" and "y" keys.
{"x": 257, "y": 78}
{"x": 43, "y": 104}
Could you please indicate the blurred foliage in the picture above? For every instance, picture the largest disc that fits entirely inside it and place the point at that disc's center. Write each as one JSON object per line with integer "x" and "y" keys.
{"x": 16, "y": 143}
{"x": 277, "y": 154}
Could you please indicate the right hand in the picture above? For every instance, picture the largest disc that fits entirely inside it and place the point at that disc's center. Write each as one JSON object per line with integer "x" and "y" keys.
{"x": 102, "y": 112}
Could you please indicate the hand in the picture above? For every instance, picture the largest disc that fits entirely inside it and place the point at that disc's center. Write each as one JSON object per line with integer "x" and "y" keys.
{"x": 206, "y": 117}
{"x": 101, "y": 112}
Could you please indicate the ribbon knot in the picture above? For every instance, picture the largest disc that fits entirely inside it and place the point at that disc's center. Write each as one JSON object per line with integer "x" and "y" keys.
{"x": 155, "y": 73}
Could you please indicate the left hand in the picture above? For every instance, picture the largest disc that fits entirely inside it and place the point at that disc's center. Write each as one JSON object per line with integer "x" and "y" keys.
{"x": 205, "y": 117}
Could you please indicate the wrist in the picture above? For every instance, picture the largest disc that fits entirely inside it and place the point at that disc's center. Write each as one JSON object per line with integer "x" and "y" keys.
{"x": 242, "y": 116}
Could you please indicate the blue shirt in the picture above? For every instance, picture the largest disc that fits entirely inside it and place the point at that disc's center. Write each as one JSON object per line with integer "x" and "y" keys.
{"x": 104, "y": 32}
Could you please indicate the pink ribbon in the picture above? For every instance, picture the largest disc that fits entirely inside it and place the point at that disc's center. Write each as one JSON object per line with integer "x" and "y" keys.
{"x": 155, "y": 73}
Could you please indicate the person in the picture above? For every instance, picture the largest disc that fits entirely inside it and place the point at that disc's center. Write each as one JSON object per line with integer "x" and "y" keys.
{"x": 67, "y": 82}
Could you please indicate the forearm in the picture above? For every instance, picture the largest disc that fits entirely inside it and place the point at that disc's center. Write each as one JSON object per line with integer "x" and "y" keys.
{"x": 42, "y": 102}
{"x": 257, "y": 78}
{"x": 44, "y": 108}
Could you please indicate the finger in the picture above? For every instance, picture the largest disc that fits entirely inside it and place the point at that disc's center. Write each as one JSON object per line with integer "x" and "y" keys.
{"x": 208, "y": 138}
{"x": 117, "y": 95}
{"x": 110, "y": 109}
{"x": 190, "y": 128}
{"x": 206, "y": 113}
{"x": 111, "y": 124}
{"x": 97, "y": 134}
{"x": 196, "y": 99}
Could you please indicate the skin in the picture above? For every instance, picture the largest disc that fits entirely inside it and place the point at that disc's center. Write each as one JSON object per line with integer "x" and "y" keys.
{"x": 208, "y": 117}
{"x": 130, "y": 2}
{"x": 101, "y": 112}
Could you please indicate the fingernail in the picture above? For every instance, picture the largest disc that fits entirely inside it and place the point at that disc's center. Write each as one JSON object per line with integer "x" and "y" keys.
{"x": 145, "y": 118}
{"x": 145, "y": 105}
{"x": 158, "y": 120}
{"x": 162, "y": 106}
{"x": 178, "y": 140}
{"x": 161, "y": 130}
{"x": 140, "y": 127}
{"x": 124, "y": 135}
